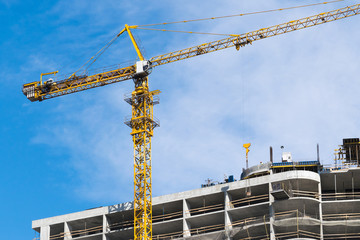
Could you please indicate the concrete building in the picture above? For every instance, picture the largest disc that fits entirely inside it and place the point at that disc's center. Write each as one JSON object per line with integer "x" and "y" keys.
{"x": 287, "y": 200}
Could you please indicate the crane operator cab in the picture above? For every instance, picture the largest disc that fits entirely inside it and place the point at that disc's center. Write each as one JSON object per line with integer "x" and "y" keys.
{"x": 143, "y": 69}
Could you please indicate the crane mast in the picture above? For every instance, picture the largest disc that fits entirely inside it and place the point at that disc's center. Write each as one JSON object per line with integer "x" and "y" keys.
{"x": 142, "y": 100}
{"x": 142, "y": 124}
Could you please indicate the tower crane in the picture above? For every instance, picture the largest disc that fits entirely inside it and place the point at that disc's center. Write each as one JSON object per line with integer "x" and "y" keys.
{"x": 142, "y": 99}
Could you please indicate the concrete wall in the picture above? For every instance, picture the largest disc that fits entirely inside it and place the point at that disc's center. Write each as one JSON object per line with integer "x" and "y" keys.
{"x": 292, "y": 204}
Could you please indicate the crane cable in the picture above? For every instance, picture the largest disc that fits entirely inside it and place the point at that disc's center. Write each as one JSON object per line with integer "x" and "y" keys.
{"x": 98, "y": 54}
{"x": 239, "y": 15}
{"x": 144, "y": 27}
{"x": 178, "y": 31}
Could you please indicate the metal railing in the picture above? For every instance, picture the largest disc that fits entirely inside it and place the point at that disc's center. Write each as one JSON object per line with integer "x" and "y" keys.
{"x": 341, "y": 216}
{"x": 249, "y": 201}
{"x": 158, "y": 218}
{"x": 299, "y": 193}
{"x": 341, "y": 236}
{"x": 206, "y": 209}
{"x": 297, "y": 234}
{"x": 340, "y": 196}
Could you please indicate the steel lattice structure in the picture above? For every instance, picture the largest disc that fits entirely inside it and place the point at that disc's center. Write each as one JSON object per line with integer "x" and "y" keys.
{"x": 142, "y": 100}
{"x": 35, "y": 91}
{"x": 142, "y": 124}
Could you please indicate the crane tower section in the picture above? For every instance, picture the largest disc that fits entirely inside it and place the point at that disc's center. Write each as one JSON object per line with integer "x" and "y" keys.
{"x": 142, "y": 123}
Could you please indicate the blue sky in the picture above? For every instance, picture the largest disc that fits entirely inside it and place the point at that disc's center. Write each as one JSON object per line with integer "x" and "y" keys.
{"x": 74, "y": 152}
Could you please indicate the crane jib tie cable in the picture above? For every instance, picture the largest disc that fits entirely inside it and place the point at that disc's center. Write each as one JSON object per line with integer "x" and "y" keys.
{"x": 240, "y": 14}
{"x": 144, "y": 27}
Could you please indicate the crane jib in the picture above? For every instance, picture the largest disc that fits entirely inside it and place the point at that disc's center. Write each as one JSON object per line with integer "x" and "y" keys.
{"x": 36, "y": 91}
{"x": 142, "y": 100}
{"x": 248, "y": 38}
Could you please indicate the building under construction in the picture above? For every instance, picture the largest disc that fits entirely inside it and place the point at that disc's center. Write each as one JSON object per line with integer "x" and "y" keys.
{"x": 273, "y": 200}
{"x": 283, "y": 200}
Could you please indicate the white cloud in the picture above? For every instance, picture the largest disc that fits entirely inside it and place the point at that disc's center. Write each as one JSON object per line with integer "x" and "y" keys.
{"x": 294, "y": 90}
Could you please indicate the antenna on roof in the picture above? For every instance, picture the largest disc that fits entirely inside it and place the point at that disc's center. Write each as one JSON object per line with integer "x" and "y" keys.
{"x": 318, "y": 153}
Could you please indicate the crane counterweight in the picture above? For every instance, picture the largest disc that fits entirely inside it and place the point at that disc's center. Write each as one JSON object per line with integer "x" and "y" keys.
{"x": 142, "y": 121}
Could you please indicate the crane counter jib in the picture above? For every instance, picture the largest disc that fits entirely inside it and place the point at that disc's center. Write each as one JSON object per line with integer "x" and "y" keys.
{"x": 38, "y": 91}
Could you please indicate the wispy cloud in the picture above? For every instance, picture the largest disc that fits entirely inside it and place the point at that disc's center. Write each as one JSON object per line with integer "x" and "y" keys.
{"x": 294, "y": 90}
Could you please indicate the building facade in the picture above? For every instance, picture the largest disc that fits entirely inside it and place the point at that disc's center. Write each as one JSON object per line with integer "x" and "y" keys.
{"x": 288, "y": 200}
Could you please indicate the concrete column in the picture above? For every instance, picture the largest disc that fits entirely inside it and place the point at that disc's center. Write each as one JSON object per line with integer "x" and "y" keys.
{"x": 67, "y": 231}
{"x": 105, "y": 227}
{"x": 45, "y": 233}
{"x": 186, "y": 209}
{"x": 186, "y": 214}
{"x": 320, "y": 212}
{"x": 271, "y": 209}
{"x": 228, "y": 220}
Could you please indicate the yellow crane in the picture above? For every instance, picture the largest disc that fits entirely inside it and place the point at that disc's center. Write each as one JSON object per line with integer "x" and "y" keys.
{"x": 142, "y": 99}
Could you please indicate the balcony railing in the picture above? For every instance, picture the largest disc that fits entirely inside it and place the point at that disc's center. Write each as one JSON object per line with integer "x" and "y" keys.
{"x": 77, "y": 233}
{"x": 158, "y": 218}
{"x": 249, "y": 201}
{"x": 297, "y": 234}
{"x": 299, "y": 193}
{"x": 294, "y": 214}
{"x": 342, "y": 216}
{"x": 206, "y": 209}
{"x": 336, "y": 236}
{"x": 340, "y": 196}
